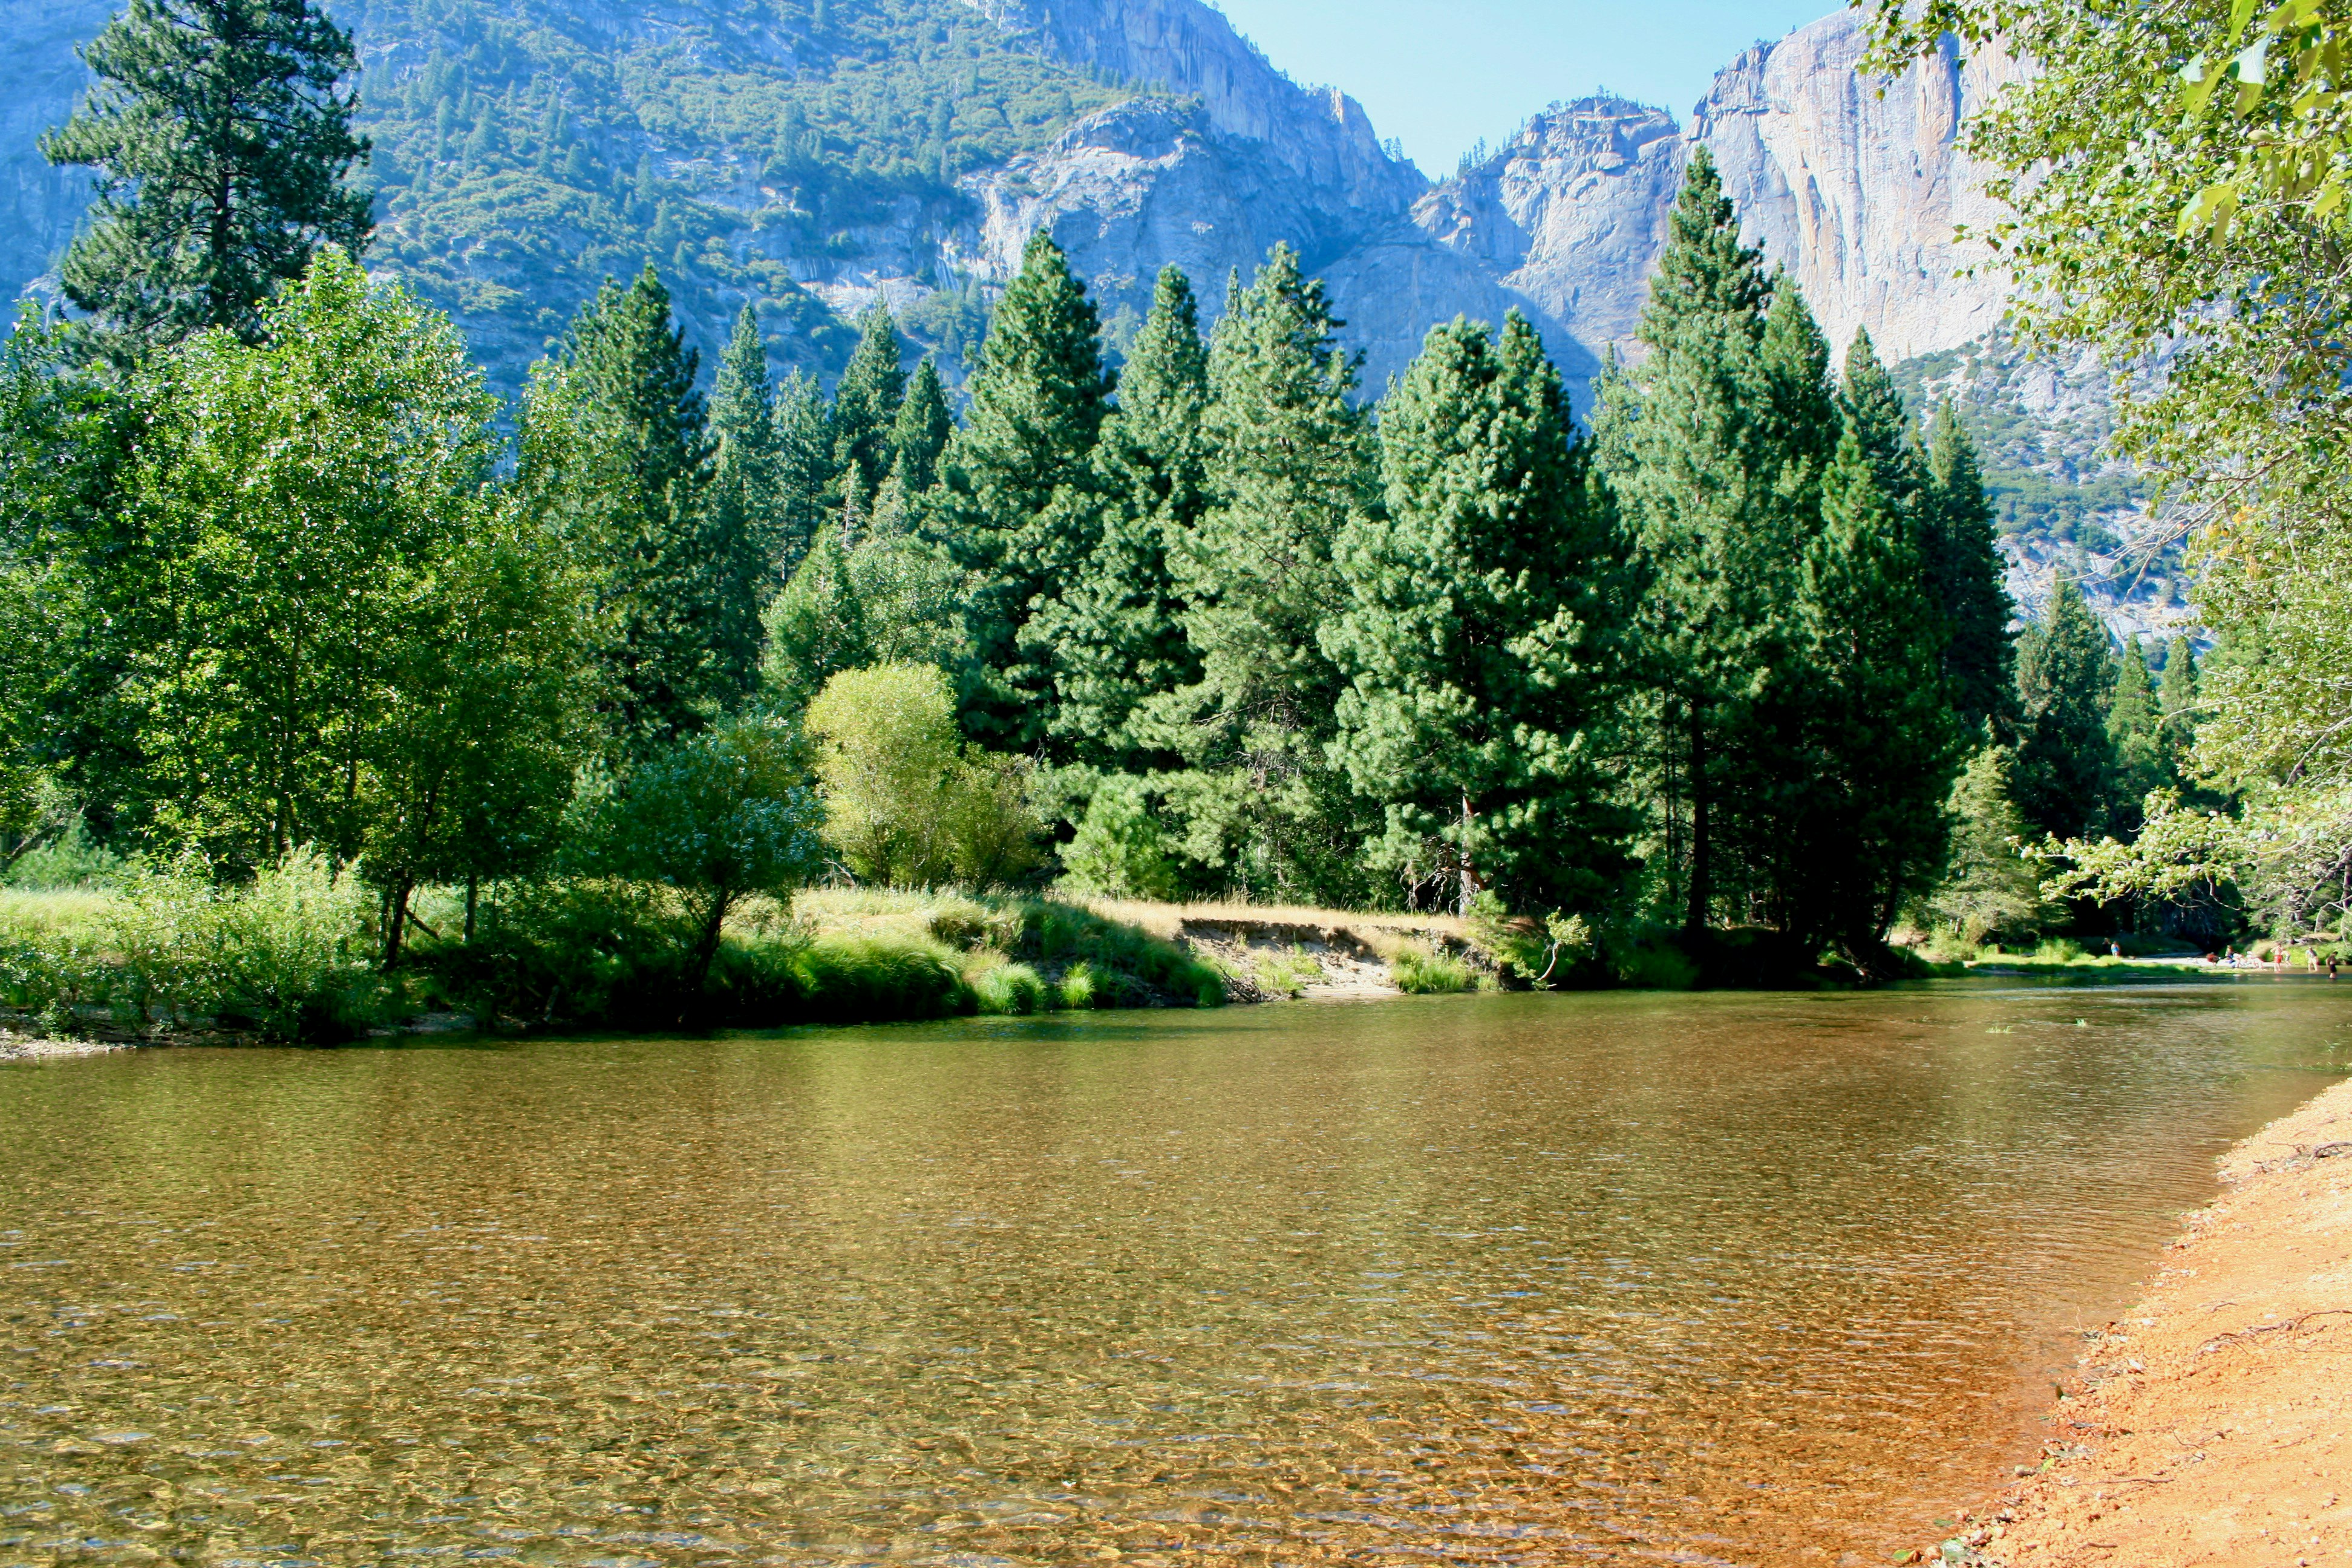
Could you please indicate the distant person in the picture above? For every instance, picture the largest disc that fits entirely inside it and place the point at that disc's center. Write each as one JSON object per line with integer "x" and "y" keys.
{"x": 2114, "y": 948}
{"x": 2331, "y": 966}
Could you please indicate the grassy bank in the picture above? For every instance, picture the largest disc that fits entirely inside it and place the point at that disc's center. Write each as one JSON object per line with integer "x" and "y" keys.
{"x": 292, "y": 959}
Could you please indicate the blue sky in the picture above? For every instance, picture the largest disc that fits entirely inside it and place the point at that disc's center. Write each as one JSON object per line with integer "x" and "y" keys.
{"x": 1438, "y": 75}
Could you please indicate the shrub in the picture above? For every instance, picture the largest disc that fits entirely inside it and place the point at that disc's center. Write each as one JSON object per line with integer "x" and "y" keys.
{"x": 1009, "y": 988}
{"x": 292, "y": 953}
{"x": 906, "y": 806}
{"x": 854, "y": 979}
{"x": 1077, "y": 987}
{"x": 1418, "y": 972}
{"x": 71, "y": 859}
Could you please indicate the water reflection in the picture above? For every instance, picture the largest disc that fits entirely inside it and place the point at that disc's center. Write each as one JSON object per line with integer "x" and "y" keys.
{"x": 1512, "y": 1279}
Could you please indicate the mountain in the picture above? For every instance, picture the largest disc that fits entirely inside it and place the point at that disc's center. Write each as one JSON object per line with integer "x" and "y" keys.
{"x": 812, "y": 155}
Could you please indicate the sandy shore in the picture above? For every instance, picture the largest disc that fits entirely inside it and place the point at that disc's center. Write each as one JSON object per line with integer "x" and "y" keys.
{"x": 2212, "y": 1423}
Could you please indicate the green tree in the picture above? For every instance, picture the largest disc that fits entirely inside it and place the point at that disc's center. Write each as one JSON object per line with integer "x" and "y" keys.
{"x": 1481, "y": 637}
{"x": 317, "y": 571}
{"x": 2133, "y": 732}
{"x": 2063, "y": 776}
{"x": 1875, "y": 412}
{"x": 1869, "y": 834}
{"x": 469, "y": 771}
{"x": 893, "y": 596}
{"x": 1018, "y": 505}
{"x": 920, "y": 433}
{"x": 614, "y": 460}
{"x": 66, "y": 431}
{"x": 1118, "y": 850}
{"x": 866, "y": 401}
{"x": 1696, "y": 453}
{"x": 221, "y": 143}
{"x": 1957, "y": 540}
{"x": 2177, "y": 702}
{"x": 714, "y": 815}
{"x": 803, "y": 469}
{"x": 1291, "y": 459}
{"x": 1115, "y": 633}
{"x": 1988, "y": 888}
{"x": 744, "y": 508}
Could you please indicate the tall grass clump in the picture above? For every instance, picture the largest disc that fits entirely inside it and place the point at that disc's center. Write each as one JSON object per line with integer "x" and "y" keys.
{"x": 1420, "y": 972}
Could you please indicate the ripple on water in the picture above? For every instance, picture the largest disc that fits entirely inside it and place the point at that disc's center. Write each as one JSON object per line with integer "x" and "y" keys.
{"x": 1718, "y": 1279}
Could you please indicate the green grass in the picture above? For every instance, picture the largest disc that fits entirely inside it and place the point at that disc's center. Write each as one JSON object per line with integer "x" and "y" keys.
{"x": 1420, "y": 972}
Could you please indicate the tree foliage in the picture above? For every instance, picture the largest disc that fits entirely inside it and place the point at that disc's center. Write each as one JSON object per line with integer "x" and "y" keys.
{"x": 221, "y": 135}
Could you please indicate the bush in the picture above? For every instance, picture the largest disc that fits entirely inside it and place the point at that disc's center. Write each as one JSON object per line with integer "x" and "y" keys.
{"x": 72, "y": 859}
{"x": 858, "y": 980}
{"x": 1009, "y": 988}
{"x": 1420, "y": 972}
{"x": 1077, "y": 987}
{"x": 905, "y": 805}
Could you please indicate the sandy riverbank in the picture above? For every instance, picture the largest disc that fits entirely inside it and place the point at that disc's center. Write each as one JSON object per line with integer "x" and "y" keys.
{"x": 2213, "y": 1425}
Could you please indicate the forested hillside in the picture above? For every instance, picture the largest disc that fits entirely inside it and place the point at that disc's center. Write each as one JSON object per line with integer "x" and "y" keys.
{"x": 525, "y": 152}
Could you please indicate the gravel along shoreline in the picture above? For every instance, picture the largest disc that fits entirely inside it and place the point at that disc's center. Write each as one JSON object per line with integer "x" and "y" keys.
{"x": 2213, "y": 1425}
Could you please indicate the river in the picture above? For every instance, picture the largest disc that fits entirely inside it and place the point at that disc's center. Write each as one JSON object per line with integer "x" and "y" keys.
{"x": 1730, "y": 1279}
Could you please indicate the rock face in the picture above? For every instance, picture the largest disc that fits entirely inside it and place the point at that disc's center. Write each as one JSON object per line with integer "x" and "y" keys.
{"x": 1858, "y": 194}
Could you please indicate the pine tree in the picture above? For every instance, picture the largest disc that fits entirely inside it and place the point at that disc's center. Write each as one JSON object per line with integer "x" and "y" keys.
{"x": 1018, "y": 506}
{"x": 1963, "y": 562}
{"x": 866, "y": 401}
{"x": 1880, "y": 743}
{"x": 1695, "y": 448}
{"x": 2065, "y": 772}
{"x": 1874, "y": 410}
{"x": 2177, "y": 704}
{"x": 1290, "y": 460}
{"x": 1805, "y": 405}
{"x": 615, "y": 458}
{"x": 803, "y": 467}
{"x": 1116, "y": 633}
{"x": 2134, "y": 728}
{"x": 1481, "y": 637}
{"x": 743, "y": 511}
{"x": 1988, "y": 888}
{"x": 920, "y": 433}
{"x": 221, "y": 143}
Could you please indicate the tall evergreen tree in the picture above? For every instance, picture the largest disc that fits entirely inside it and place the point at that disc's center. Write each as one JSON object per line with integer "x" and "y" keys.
{"x": 1481, "y": 637}
{"x": 1116, "y": 633}
{"x": 1018, "y": 474}
{"x": 1963, "y": 562}
{"x": 2135, "y": 729}
{"x": 2065, "y": 765}
{"x": 803, "y": 467}
{"x": 1805, "y": 405}
{"x": 743, "y": 514}
{"x": 1870, "y": 831}
{"x": 866, "y": 401}
{"x": 1875, "y": 412}
{"x": 1694, "y": 449}
{"x": 615, "y": 460}
{"x": 2176, "y": 704}
{"x": 221, "y": 138}
{"x": 1290, "y": 460}
{"x": 920, "y": 433}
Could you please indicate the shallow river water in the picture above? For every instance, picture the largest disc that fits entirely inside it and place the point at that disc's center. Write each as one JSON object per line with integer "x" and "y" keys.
{"x": 1712, "y": 1280}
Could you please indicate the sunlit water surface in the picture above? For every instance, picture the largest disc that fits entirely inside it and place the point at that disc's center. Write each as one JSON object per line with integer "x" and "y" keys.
{"x": 1738, "y": 1279}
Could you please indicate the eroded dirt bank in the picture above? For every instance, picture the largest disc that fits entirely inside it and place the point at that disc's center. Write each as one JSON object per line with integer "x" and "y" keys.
{"x": 2214, "y": 1424}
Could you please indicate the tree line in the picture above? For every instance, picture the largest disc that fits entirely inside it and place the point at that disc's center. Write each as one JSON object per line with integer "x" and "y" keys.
{"x": 1216, "y": 621}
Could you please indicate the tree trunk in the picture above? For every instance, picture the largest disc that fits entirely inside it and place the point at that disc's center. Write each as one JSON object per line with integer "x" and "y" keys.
{"x": 1702, "y": 884}
{"x": 395, "y": 921}
{"x": 706, "y": 948}
{"x": 473, "y": 895}
{"x": 1469, "y": 878}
